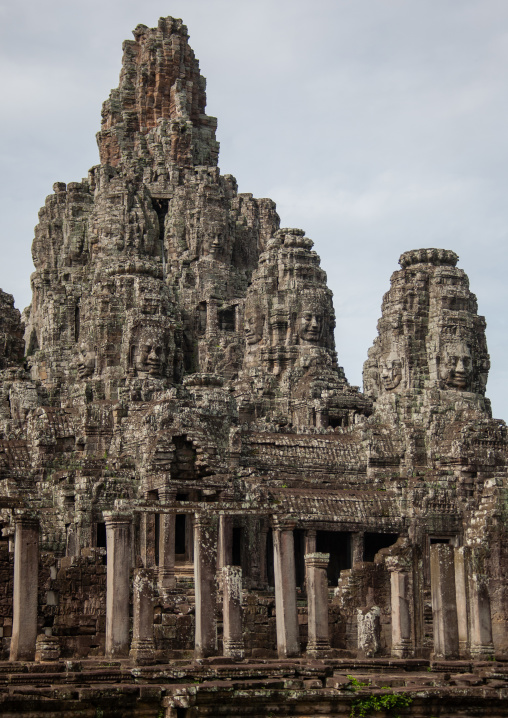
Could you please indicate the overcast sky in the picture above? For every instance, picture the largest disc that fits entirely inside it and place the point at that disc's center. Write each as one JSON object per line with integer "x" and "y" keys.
{"x": 377, "y": 126}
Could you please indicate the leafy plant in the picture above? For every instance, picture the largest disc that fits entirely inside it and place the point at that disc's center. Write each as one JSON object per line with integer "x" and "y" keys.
{"x": 356, "y": 684}
{"x": 390, "y": 703}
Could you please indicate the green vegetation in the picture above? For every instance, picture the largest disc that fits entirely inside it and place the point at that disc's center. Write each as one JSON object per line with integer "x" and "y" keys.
{"x": 356, "y": 684}
{"x": 389, "y": 703}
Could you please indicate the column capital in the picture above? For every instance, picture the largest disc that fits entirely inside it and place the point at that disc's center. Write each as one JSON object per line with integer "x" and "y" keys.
{"x": 167, "y": 495}
{"x": 27, "y": 520}
{"x": 281, "y": 524}
{"x": 317, "y": 560}
{"x": 113, "y": 518}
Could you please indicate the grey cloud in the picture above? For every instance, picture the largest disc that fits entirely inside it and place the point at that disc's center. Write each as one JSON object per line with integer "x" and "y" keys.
{"x": 377, "y": 126}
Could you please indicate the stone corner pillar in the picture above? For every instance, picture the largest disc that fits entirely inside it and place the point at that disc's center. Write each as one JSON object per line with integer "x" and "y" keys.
{"x": 444, "y": 602}
{"x": 232, "y": 612}
{"x": 462, "y": 558}
{"x": 118, "y": 550}
{"x": 142, "y": 646}
{"x": 205, "y": 561}
{"x": 166, "y": 573}
{"x": 286, "y": 612}
{"x": 225, "y": 542}
{"x": 317, "y": 598}
{"x": 480, "y": 640}
{"x": 26, "y": 583}
{"x": 401, "y": 616}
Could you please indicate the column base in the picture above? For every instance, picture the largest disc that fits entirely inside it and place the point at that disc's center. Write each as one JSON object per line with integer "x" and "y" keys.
{"x": 484, "y": 652}
{"x": 234, "y": 649}
{"x": 47, "y": 648}
{"x": 319, "y": 649}
{"x": 402, "y": 650}
{"x": 142, "y": 652}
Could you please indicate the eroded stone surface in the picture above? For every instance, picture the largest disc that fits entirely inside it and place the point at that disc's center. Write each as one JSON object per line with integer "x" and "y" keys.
{"x": 180, "y": 372}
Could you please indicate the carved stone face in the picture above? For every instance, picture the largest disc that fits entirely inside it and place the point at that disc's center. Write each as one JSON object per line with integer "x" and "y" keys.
{"x": 148, "y": 358}
{"x": 86, "y": 362}
{"x": 254, "y": 321}
{"x": 390, "y": 371}
{"x": 456, "y": 366}
{"x": 310, "y": 325}
{"x": 214, "y": 244}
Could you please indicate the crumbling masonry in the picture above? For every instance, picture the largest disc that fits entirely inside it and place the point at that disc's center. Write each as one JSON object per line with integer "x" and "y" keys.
{"x": 187, "y": 474}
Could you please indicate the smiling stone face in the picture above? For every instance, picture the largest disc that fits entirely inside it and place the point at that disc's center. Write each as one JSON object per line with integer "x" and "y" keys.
{"x": 390, "y": 371}
{"x": 254, "y": 321}
{"x": 310, "y": 325}
{"x": 456, "y": 366}
{"x": 148, "y": 358}
{"x": 86, "y": 362}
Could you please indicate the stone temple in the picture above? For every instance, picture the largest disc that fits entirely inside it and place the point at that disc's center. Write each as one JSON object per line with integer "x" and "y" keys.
{"x": 199, "y": 514}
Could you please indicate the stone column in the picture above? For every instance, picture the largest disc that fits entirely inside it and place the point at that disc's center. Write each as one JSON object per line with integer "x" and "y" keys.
{"x": 147, "y": 529}
{"x": 142, "y": 646}
{"x": 232, "y": 611}
{"x": 357, "y": 547}
{"x": 461, "y": 591}
{"x": 167, "y": 523}
{"x": 481, "y": 644}
{"x": 310, "y": 541}
{"x": 205, "y": 560}
{"x": 444, "y": 605}
{"x": 225, "y": 542}
{"x": 401, "y": 616}
{"x": 288, "y": 643}
{"x": 317, "y": 601}
{"x": 309, "y": 547}
{"x": 118, "y": 548}
{"x": 26, "y": 579}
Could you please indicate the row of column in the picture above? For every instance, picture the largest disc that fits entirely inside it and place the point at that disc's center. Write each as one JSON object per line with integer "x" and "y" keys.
{"x": 460, "y": 600}
{"x": 205, "y": 555}
{"x": 460, "y": 604}
{"x": 461, "y": 616}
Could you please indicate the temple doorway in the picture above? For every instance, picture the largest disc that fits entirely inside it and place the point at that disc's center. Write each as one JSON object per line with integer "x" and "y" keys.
{"x": 338, "y": 545}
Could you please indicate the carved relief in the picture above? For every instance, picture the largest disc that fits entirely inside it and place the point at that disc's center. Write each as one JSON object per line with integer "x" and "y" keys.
{"x": 429, "y": 334}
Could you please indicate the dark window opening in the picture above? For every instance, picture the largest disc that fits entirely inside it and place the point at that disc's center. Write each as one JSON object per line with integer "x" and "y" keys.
{"x": 100, "y": 534}
{"x": 335, "y": 421}
{"x": 76, "y": 324}
{"x": 157, "y": 537}
{"x": 132, "y": 353}
{"x": 375, "y": 542}
{"x": 183, "y": 464}
{"x": 269, "y": 559}
{"x": 181, "y": 712}
{"x": 180, "y": 526}
{"x": 439, "y": 540}
{"x": 227, "y": 319}
{"x": 338, "y": 545}
{"x": 201, "y": 318}
{"x": 299, "y": 541}
{"x": 237, "y": 545}
{"x": 190, "y": 350}
{"x": 161, "y": 207}
{"x": 33, "y": 344}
